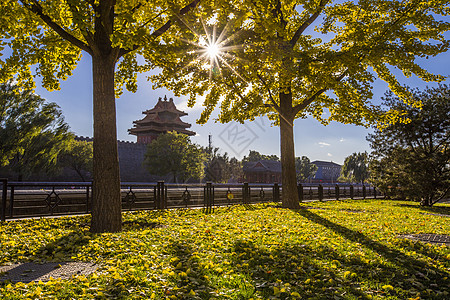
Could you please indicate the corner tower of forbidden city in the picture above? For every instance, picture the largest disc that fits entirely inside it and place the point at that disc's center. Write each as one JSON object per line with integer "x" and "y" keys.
{"x": 162, "y": 118}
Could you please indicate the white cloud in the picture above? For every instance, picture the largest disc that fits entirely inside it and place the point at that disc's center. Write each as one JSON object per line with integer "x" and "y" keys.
{"x": 342, "y": 140}
{"x": 329, "y": 154}
{"x": 183, "y": 104}
{"x": 323, "y": 144}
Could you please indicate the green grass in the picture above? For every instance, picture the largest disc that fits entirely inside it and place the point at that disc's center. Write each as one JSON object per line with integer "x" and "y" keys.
{"x": 345, "y": 250}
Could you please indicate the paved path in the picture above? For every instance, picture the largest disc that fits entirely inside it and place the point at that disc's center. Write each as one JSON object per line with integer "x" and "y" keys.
{"x": 428, "y": 238}
{"x": 27, "y": 272}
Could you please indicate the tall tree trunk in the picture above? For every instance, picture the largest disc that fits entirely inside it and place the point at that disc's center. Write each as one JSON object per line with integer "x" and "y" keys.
{"x": 288, "y": 173}
{"x": 106, "y": 199}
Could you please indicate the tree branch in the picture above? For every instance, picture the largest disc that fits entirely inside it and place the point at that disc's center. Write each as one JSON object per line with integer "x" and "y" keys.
{"x": 238, "y": 92}
{"x": 161, "y": 30}
{"x": 305, "y": 103}
{"x": 234, "y": 86}
{"x": 278, "y": 12}
{"x": 86, "y": 33}
{"x": 308, "y": 22}
{"x": 182, "y": 12}
{"x": 133, "y": 10}
{"x": 274, "y": 103}
{"x": 36, "y": 8}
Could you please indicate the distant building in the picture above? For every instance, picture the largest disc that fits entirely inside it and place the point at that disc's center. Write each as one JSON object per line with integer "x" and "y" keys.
{"x": 267, "y": 171}
{"x": 164, "y": 117}
{"x": 327, "y": 172}
{"x": 263, "y": 171}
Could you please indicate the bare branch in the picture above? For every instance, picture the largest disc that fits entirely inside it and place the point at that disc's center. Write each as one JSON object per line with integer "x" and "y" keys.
{"x": 308, "y": 22}
{"x": 36, "y": 8}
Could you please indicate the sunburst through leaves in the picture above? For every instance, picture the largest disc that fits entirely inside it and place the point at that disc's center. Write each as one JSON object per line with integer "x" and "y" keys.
{"x": 214, "y": 50}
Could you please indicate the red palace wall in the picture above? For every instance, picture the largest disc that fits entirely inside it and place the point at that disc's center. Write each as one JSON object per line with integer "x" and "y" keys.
{"x": 146, "y": 139}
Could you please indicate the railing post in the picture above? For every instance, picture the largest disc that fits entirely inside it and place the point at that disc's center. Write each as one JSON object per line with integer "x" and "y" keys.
{"x": 155, "y": 197}
{"x": 276, "y": 192}
{"x": 186, "y": 197}
{"x": 245, "y": 193}
{"x": 249, "y": 198}
{"x": 87, "y": 199}
{"x": 374, "y": 192}
{"x": 320, "y": 192}
{"x": 165, "y": 196}
{"x": 160, "y": 195}
{"x": 337, "y": 191}
{"x": 11, "y": 201}
{"x": 208, "y": 197}
{"x": 364, "y": 192}
{"x": 4, "y": 195}
{"x": 300, "y": 192}
{"x": 351, "y": 192}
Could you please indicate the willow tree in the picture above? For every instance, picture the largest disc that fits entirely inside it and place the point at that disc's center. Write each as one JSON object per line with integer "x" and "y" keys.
{"x": 46, "y": 39}
{"x": 291, "y": 59}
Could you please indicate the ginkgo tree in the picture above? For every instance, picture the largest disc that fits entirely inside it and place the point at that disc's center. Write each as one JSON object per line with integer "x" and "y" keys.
{"x": 291, "y": 59}
{"x": 46, "y": 39}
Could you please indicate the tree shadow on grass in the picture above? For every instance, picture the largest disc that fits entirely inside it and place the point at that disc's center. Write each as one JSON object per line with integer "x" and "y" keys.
{"x": 188, "y": 277}
{"x": 139, "y": 224}
{"x": 408, "y": 273}
{"x": 420, "y": 247}
{"x": 291, "y": 271}
{"x": 435, "y": 209}
{"x": 324, "y": 273}
{"x": 250, "y": 207}
{"x": 63, "y": 248}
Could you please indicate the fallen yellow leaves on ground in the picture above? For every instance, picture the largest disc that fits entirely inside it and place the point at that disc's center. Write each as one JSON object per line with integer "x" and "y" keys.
{"x": 334, "y": 250}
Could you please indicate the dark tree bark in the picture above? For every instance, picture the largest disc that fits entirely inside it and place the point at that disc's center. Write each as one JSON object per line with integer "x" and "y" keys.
{"x": 288, "y": 173}
{"x": 106, "y": 199}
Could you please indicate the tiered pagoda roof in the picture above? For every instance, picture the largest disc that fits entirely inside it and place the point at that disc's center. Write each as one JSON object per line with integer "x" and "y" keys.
{"x": 162, "y": 118}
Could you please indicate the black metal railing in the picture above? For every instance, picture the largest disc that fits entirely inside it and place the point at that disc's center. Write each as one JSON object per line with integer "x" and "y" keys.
{"x": 28, "y": 199}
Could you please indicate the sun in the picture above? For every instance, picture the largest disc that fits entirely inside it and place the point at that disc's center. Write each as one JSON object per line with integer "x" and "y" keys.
{"x": 213, "y": 50}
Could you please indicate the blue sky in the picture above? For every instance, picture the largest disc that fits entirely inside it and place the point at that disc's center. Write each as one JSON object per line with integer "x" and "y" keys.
{"x": 331, "y": 143}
